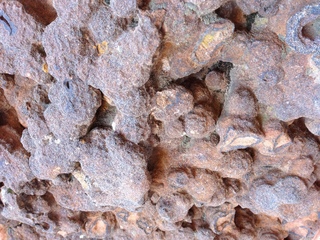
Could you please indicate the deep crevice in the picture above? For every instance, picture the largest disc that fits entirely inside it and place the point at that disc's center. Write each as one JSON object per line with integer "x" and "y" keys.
{"x": 143, "y": 4}
{"x": 104, "y": 116}
{"x": 11, "y": 128}
{"x": 1, "y": 203}
{"x": 223, "y": 67}
{"x": 234, "y": 13}
{"x": 65, "y": 177}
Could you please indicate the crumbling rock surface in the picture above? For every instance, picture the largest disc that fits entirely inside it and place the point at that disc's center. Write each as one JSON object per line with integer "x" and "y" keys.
{"x": 160, "y": 119}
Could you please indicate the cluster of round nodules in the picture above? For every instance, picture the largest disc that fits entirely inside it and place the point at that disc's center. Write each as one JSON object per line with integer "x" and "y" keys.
{"x": 205, "y": 187}
{"x": 184, "y": 187}
{"x": 177, "y": 109}
{"x": 270, "y": 197}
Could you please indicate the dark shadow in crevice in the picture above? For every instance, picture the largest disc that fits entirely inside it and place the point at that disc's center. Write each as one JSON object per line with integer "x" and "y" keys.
{"x": 202, "y": 95}
{"x": 105, "y": 2}
{"x": 158, "y": 79}
{"x": 157, "y": 161}
{"x": 128, "y": 23}
{"x": 10, "y": 127}
{"x": 42, "y": 10}
{"x": 250, "y": 21}
{"x": 104, "y": 116}
{"x": 35, "y": 187}
{"x": 244, "y": 218}
{"x": 26, "y": 201}
{"x": 65, "y": 177}
{"x": 233, "y": 12}
{"x": 222, "y": 67}
{"x": 38, "y": 52}
{"x": 311, "y": 30}
{"x": 143, "y": 4}
{"x": 298, "y": 129}
{"x": 6, "y": 81}
{"x": 79, "y": 218}
{"x": 1, "y": 203}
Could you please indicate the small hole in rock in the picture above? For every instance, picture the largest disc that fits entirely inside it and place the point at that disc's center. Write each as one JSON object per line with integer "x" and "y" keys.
{"x": 67, "y": 84}
{"x": 134, "y": 22}
{"x": 38, "y": 52}
{"x": 66, "y": 177}
{"x": 105, "y": 115}
{"x": 28, "y": 105}
{"x": 311, "y": 30}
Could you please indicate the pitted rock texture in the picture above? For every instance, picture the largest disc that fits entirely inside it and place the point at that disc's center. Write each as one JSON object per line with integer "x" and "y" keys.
{"x": 160, "y": 119}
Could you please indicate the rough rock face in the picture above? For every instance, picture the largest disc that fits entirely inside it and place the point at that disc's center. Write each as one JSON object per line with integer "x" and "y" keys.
{"x": 160, "y": 119}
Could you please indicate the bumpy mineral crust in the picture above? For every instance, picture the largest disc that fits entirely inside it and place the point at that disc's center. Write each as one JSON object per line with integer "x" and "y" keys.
{"x": 160, "y": 119}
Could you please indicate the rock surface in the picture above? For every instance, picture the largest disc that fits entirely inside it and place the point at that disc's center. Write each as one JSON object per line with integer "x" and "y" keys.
{"x": 160, "y": 119}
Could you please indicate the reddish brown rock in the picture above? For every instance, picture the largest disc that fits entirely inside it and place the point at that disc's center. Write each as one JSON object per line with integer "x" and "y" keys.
{"x": 160, "y": 119}
{"x": 134, "y": 129}
{"x": 215, "y": 81}
{"x": 170, "y": 104}
{"x": 238, "y": 126}
{"x": 104, "y": 151}
{"x": 100, "y": 39}
{"x": 14, "y": 169}
{"x": 219, "y": 218}
{"x": 206, "y": 187}
{"x": 313, "y": 126}
{"x": 258, "y": 226}
{"x": 123, "y": 8}
{"x": 27, "y": 97}
{"x": 174, "y": 129}
{"x": 3, "y": 232}
{"x": 21, "y": 48}
{"x": 190, "y": 44}
{"x": 280, "y": 197}
{"x": 173, "y": 208}
{"x": 68, "y": 115}
{"x": 264, "y": 8}
{"x": 42, "y": 11}
{"x": 99, "y": 225}
{"x": 307, "y": 227}
{"x": 234, "y": 164}
{"x": 204, "y": 7}
{"x": 199, "y": 122}
{"x": 275, "y": 137}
